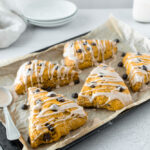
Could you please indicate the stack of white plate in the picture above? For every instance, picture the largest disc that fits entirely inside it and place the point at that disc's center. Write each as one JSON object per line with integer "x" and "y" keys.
{"x": 49, "y": 13}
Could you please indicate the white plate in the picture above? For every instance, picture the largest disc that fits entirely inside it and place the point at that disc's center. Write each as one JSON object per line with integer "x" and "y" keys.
{"x": 43, "y": 10}
{"x": 49, "y": 24}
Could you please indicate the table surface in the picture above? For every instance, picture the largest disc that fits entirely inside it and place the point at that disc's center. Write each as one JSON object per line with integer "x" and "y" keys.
{"x": 131, "y": 132}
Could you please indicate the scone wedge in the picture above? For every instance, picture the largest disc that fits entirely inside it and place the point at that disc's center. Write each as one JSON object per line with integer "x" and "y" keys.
{"x": 104, "y": 88}
{"x": 43, "y": 74}
{"x": 138, "y": 69}
{"x": 86, "y": 53}
{"x": 52, "y": 116}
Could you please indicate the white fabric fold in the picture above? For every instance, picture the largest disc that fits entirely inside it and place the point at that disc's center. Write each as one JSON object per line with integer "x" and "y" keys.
{"x": 11, "y": 26}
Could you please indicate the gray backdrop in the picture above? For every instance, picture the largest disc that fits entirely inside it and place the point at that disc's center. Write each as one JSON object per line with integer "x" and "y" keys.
{"x": 103, "y": 3}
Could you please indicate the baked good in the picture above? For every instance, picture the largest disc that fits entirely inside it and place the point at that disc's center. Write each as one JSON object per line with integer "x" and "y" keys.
{"x": 52, "y": 116}
{"x": 44, "y": 74}
{"x": 138, "y": 69}
{"x": 86, "y": 53}
{"x": 104, "y": 88}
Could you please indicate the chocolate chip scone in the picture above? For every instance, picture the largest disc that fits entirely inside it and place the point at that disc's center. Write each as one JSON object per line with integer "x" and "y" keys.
{"x": 86, "y": 53}
{"x": 44, "y": 74}
{"x": 138, "y": 69}
{"x": 104, "y": 88}
{"x": 52, "y": 116}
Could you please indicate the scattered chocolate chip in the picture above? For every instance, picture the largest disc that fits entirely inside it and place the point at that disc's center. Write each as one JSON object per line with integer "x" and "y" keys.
{"x": 88, "y": 48}
{"x": 100, "y": 75}
{"x": 37, "y": 90}
{"x": 139, "y": 59}
{"x": 79, "y": 51}
{"x": 46, "y": 137}
{"x": 29, "y": 62}
{"x": 24, "y": 107}
{"x": 125, "y": 76}
{"x": 47, "y": 89}
{"x": 76, "y": 81}
{"x": 28, "y": 140}
{"x": 56, "y": 68}
{"x": 40, "y": 64}
{"x": 85, "y": 43}
{"x": 38, "y": 101}
{"x": 93, "y": 44}
{"x": 108, "y": 105}
{"x": 120, "y": 64}
{"x": 117, "y": 40}
{"x": 74, "y": 95}
{"x": 54, "y": 107}
{"x": 144, "y": 68}
{"x": 123, "y": 54}
{"x": 147, "y": 83}
{"x": 51, "y": 94}
{"x": 50, "y": 128}
{"x": 60, "y": 99}
{"x": 92, "y": 86}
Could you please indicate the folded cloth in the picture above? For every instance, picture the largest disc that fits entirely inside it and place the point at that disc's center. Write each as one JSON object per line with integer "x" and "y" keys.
{"x": 11, "y": 26}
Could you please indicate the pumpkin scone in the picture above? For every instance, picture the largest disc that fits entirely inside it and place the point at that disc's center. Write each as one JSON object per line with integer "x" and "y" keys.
{"x": 104, "y": 88}
{"x": 52, "y": 116}
{"x": 138, "y": 69}
{"x": 86, "y": 53}
{"x": 43, "y": 74}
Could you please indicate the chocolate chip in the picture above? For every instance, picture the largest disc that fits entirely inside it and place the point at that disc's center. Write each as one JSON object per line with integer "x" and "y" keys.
{"x": 29, "y": 69}
{"x": 147, "y": 83}
{"x": 37, "y": 90}
{"x": 56, "y": 68}
{"x": 120, "y": 64}
{"x": 117, "y": 40}
{"x": 93, "y": 44}
{"x": 76, "y": 81}
{"x": 38, "y": 101}
{"x": 29, "y": 62}
{"x": 74, "y": 95}
{"x": 46, "y": 137}
{"x": 24, "y": 107}
{"x": 47, "y": 89}
{"x": 51, "y": 94}
{"x": 92, "y": 86}
{"x": 40, "y": 64}
{"x": 28, "y": 140}
{"x": 85, "y": 43}
{"x": 139, "y": 59}
{"x": 125, "y": 76}
{"x": 139, "y": 54}
{"x": 144, "y": 68}
{"x": 79, "y": 51}
{"x": 123, "y": 54}
{"x": 60, "y": 99}
{"x": 88, "y": 48}
{"x": 120, "y": 88}
{"x": 50, "y": 128}
{"x": 100, "y": 75}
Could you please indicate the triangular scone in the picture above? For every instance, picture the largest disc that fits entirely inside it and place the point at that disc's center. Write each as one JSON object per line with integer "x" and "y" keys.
{"x": 43, "y": 74}
{"x": 86, "y": 53}
{"x": 52, "y": 116}
{"x": 104, "y": 88}
{"x": 138, "y": 69}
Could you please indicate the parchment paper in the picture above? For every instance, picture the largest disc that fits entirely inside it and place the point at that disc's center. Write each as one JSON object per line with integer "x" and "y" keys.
{"x": 113, "y": 28}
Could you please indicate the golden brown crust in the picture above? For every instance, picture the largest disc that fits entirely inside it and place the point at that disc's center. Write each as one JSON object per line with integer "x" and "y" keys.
{"x": 39, "y": 73}
{"x": 86, "y": 53}
{"x": 52, "y": 116}
{"x": 138, "y": 69}
{"x": 104, "y": 88}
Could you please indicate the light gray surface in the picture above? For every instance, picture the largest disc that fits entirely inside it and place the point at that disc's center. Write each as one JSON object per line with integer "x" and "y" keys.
{"x": 90, "y": 4}
{"x": 36, "y": 38}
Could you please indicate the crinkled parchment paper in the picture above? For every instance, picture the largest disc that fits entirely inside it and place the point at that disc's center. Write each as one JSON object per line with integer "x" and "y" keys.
{"x": 130, "y": 40}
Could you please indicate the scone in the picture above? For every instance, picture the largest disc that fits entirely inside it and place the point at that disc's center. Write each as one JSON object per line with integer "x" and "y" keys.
{"x": 138, "y": 69}
{"x": 86, "y": 53}
{"x": 52, "y": 116}
{"x": 104, "y": 88}
{"x": 44, "y": 74}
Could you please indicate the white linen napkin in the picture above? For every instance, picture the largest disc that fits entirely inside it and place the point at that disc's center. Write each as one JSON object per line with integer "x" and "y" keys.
{"x": 11, "y": 26}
